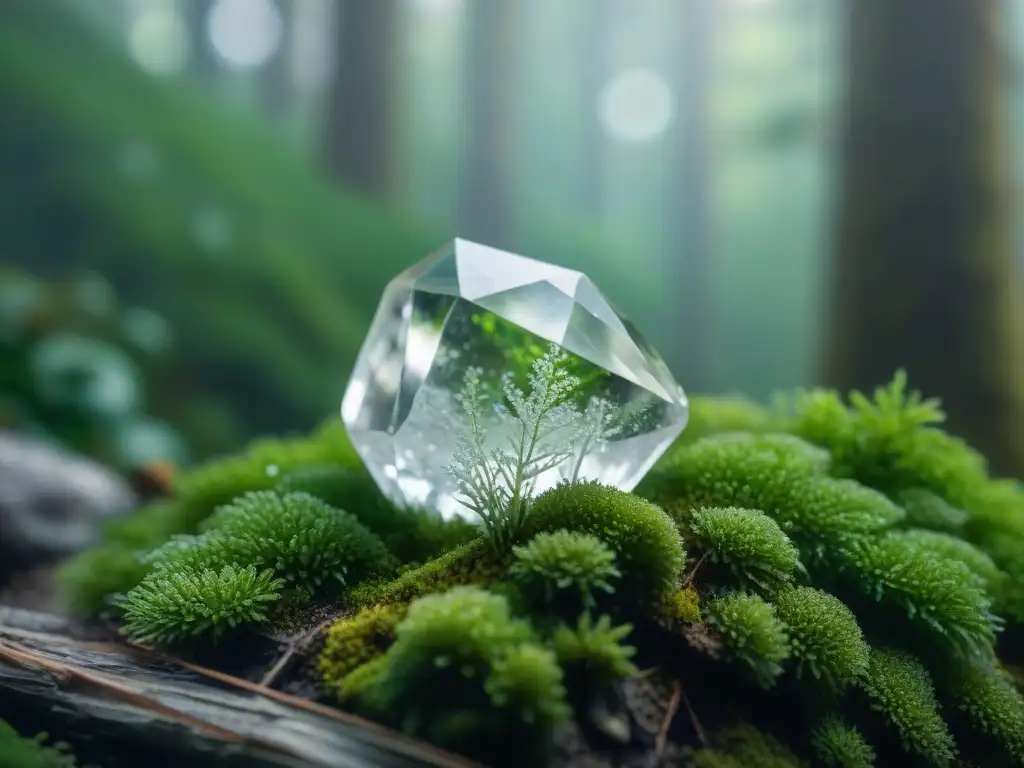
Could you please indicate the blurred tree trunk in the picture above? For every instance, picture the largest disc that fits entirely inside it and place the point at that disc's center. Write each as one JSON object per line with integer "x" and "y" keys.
{"x": 490, "y": 64}
{"x": 203, "y": 61}
{"x": 923, "y": 266}
{"x": 276, "y": 76}
{"x": 688, "y": 234}
{"x": 598, "y": 21}
{"x": 358, "y": 146}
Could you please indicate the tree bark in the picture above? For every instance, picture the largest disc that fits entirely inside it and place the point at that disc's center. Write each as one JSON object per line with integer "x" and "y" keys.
{"x": 358, "y": 147}
{"x": 598, "y": 21}
{"x": 688, "y": 215}
{"x": 922, "y": 278}
{"x": 203, "y": 62}
{"x": 276, "y": 76}
{"x": 490, "y": 66}
{"x": 148, "y": 709}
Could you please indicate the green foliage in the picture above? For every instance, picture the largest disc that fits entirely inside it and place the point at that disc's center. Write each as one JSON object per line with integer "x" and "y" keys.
{"x": 682, "y": 606}
{"x": 543, "y": 428}
{"x": 172, "y": 606}
{"x": 564, "y": 569}
{"x": 940, "y": 594}
{"x": 825, "y": 638}
{"x": 459, "y": 659}
{"x": 839, "y": 745}
{"x": 255, "y": 278}
{"x": 752, "y": 546}
{"x": 74, "y": 370}
{"x": 473, "y": 563}
{"x": 648, "y": 549}
{"x": 20, "y": 752}
{"x": 711, "y": 415}
{"x": 307, "y": 542}
{"x": 779, "y": 476}
{"x": 743, "y": 746}
{"x": 753, "y": 635}
{"x": 412, "y": 535}
{"x": 900, "y": 523}
{"x": 926, "y": 509}
{"x": 592, "y": 653}
{"x": 989, "y": 704}
{"x": 902, "y": 690}
{"x": 353, "y": 642}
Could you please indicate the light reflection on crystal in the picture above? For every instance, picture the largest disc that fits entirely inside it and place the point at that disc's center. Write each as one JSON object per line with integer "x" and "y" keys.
{"x": 468, "y": 305}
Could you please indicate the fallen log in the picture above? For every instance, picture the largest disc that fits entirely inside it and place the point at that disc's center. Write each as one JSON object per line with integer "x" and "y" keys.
{"x": 105, "y": 696}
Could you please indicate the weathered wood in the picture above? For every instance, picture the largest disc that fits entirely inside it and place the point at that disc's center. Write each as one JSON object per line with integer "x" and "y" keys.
{"x": 171, "y": 708}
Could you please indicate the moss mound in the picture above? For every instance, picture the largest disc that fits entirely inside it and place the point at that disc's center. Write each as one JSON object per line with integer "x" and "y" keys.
{"x": 840, "y": 583}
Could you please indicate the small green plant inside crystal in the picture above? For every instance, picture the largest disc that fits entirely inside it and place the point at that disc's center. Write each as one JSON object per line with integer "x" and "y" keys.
{"x": 829, "y": 581}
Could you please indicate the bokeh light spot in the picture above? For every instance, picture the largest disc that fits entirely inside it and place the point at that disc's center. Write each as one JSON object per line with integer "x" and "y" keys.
{"x": 635, "y": 105}
{"x": 245, "y": 33}
{"x": 158, "y": 40}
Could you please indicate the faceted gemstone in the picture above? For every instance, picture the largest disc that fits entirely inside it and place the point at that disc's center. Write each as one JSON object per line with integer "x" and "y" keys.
{"x": 472, "y": 308}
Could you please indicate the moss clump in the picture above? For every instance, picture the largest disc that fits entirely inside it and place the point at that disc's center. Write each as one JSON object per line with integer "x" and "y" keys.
{"x": 774, "y": 476}
{"x": 464, "y": 673}
{"x": 564, "y": 570}
{"x": 412, "y": 535}
{"x": 825, "y": 638}
{"x": 182, "y": 604}
{"x": 592, "y": 654}
{"x": 866, "y": 528}
{"x": 938, "y": 594}
{"x": 307, "y": 542}
{"x": 749, "y": 543}
{"x": 988, "y": 710}
{"x": 839, "y": 745}
{"x": 902, "y": 691}
{"x": 473, "y": 563}
{"x": 19, "y": 752}
{"x": 742, "y": 746}
{"x": 353, "y": 642}
{"x": 681, "y": 606}
{"x": 753, "y": 635}
{"x": 648, "y": 548}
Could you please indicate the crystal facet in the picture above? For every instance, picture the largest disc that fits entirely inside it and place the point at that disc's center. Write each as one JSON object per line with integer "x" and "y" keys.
{"x": 469, "y": 307}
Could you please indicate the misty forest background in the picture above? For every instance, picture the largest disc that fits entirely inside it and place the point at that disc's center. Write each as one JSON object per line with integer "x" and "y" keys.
{"x": 201, "y": 200}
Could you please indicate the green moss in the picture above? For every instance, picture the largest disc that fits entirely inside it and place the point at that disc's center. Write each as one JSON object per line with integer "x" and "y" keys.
{"x": 353, "y": 642}
{"x": 593, "y": 654}
{"x": 752, "y": 633}
{"x": 464, "y": 673}
{"x": 744, "y": 746}
{"x": 473, "y": 563}
{"x": 825, "y": 638}
{"x": 682, "y": 606}
{"x": 711, "y": 415}
{"x": 987, "y": 703}
{"x": 941, "y": 595}
{"x": 902, "y": 691}
{"x": 926, "y": 509}
{"x": 749, "y": 543}
{"x": 19, "y": 752}
{"x": 90, "y": 582}
{"x": 564, "y": 570}
{"x": 412, "y": 535}
{"x": 648, "y": 549}
{"x": 181, "y": 604}
{"x": 820, "y": 513}
{"x": 839, "y": 745}
{"x": 307, "y": 542}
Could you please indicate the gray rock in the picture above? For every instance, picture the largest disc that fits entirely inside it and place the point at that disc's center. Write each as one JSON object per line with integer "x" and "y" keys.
{"x": 52, "y": 502}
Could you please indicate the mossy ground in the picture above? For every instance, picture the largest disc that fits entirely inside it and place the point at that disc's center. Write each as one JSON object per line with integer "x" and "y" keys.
{"x": 832, "y": 581}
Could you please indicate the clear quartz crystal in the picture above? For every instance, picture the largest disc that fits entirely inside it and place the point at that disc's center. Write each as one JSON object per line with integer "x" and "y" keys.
{"x": 469, "y": 308}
